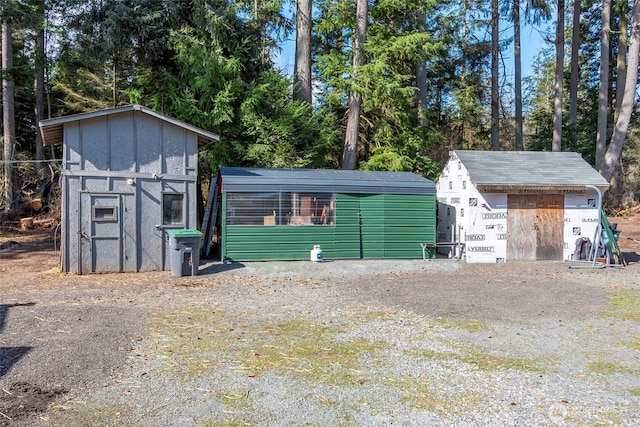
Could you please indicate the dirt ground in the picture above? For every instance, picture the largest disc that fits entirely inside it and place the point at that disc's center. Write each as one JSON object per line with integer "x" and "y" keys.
{"x": 62, "y": 336}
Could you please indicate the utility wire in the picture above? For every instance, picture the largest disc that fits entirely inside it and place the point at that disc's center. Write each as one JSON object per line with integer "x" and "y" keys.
{"x": 30, "y": 161}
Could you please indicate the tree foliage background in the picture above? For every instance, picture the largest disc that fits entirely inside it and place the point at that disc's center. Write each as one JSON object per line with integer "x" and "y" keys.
{"x": 211, "y": 63}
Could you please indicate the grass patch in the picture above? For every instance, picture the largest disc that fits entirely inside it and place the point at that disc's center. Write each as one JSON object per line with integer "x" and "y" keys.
{"x": 625, "y": 304}
{"x": 423, "y": 394}
{"x": 489, "y": 362}
{"x": 82, "y": 414}
{"x": 309, "y": 349}
{"x": 635, "y": 392}
{"x": 633, "y": 345}
{"x": 190, "y": 342}
{"x": 226, "y": 423}
{"x": 607, "y": 368}
{"x": 482, "y": 361}
{"x": 196, "y": 341}
{"x": 467, "y": 325}
{"x": 383, "y": 314}
{"x": 239, "y": 400}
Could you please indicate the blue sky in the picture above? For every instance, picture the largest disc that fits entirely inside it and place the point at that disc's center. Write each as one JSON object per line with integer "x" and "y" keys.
{"x": 531, "y": 42}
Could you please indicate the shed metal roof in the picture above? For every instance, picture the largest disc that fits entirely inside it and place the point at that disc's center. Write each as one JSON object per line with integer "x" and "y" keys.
{"x": 324, "y": 181}
{"x": 529, "y": 169}
{"x": 52, "y": 129}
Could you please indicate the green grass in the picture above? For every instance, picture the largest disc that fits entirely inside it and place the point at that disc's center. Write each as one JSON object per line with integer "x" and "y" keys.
{"x": 226, "y": 423}
{"x": 607, "y": 368}
{"x": 481, "y": 360}
{"x": 625, "y": 304}
{"x": 423, "y": 393}
{"x": 238, "y": 399}
{"x": 196, "y": 341}
{"x": 633, "y": 344}
{"x": 467, "y": 325}
{"x": 80, "y": 415}
{"x": 363, "y": 317}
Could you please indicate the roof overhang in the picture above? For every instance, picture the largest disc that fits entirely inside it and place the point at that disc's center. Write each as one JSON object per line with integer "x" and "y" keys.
{"x": 245, "y": 180}
{"x": 52, "y": 130}
{"x": 538, "y": 189}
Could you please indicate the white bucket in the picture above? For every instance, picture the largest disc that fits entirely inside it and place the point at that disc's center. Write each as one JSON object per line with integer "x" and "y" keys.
{"x": 316, "y": 253}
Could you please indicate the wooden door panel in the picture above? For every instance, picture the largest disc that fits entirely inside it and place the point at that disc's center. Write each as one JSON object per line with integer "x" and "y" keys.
{"x": 521, "y": 219}
{"x": 550, "y": 220}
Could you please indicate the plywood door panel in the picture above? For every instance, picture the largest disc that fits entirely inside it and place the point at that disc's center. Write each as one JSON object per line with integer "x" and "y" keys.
{"x": 550, "y": 224}
{"x": 521, "y": 227}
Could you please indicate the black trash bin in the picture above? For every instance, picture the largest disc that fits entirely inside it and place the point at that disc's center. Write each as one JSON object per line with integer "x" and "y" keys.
{"x": 184, "y": 248}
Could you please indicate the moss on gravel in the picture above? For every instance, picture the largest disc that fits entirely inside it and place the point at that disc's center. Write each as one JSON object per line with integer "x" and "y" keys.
{"x": 473, "y": 356}
{"x": 196, "y": 341}
{"x": 625, "y": 304}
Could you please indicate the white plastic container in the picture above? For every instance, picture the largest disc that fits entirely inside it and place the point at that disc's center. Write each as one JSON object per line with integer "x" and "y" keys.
{"x": 316, "y": 253}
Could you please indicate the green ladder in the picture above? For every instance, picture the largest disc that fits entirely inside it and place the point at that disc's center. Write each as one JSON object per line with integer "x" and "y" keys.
{"x": 610, "y": 242}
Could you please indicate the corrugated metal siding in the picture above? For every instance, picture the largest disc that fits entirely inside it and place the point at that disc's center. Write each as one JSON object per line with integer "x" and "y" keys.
{"x": 373, "y": 218}
{"x": 347, "y": 227}
{"x": 409, "y": 221}
{"x": 393, "y": 226}
{"x": 262, "y": 243}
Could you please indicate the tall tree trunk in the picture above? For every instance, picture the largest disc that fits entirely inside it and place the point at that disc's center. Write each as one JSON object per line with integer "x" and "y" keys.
{"x": 575, "y": 70}
{"x": 302, "y": 75}
{"x": 39, "y": 89}
{"x": 495, "y": 95}
{"x": 518, "y": 74}
{"x": 603, "y": 91}
{"x": 463, "y": 73}
{"x": 8, "y": 116}
{"x": 421, "y": 75}
{"x": 350, "y": 146}
{"x": 556, "y": 143}
{"x": 614, "y": 151}
{"x": 621, "y": 63}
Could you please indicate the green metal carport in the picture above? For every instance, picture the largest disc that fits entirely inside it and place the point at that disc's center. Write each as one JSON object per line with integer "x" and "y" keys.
{"x": 280, "y": 214}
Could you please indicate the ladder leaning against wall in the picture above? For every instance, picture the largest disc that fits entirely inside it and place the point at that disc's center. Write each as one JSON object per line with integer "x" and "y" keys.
{"x": 210, "y": 217}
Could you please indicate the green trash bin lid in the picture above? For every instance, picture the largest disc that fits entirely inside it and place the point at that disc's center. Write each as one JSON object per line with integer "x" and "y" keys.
{"x": 187, "y": 232}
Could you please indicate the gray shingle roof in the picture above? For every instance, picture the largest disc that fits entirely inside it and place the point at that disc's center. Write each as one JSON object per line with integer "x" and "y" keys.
{"x": 52, "y": 129}
{"x": 529, "y": 169}
{"x": 324, "y": 181}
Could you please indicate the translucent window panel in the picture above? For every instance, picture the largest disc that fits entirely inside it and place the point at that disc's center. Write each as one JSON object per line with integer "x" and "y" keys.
{"x": 312, "y": 208}
{"x": 253, "y": 208}
{"x": 280, "y": 208}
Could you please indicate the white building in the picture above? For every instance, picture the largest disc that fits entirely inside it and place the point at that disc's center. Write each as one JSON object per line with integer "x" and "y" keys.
{"x": 517, "y": 205}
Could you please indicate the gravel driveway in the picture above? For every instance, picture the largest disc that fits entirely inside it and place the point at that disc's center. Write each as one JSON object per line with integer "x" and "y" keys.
{"x": 415, "y": 343}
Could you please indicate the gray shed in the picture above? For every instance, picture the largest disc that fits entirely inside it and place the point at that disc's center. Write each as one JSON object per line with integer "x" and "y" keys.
{"x": 128, "y": 175}
{"x": 517, "y": 205}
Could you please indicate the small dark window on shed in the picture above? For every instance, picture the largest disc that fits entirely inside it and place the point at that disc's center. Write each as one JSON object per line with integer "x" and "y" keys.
{"x": 104, "y": 213}
{"x": 450, "y": 185}
{"x": 172, "y": 209}
{"x": 464, "y": 185}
